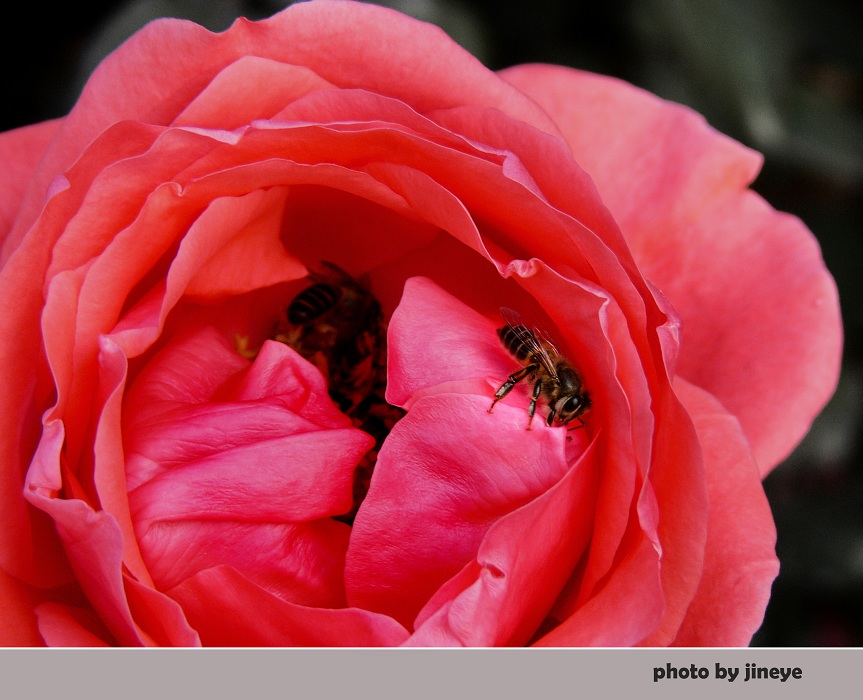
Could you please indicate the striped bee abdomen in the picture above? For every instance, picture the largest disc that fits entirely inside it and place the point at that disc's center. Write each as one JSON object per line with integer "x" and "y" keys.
{"x": 313, "y": 302}
{"x": 509, "y": 336}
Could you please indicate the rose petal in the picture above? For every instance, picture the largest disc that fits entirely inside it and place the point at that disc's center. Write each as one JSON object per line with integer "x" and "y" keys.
{"x": 740, "y": 561}
{"x": 623, "y": 611}
{"x": 302, "y": 563}
{"x": 436, "y": 339}
{"x": 20, "y": 151}
{"x": 427, "y": 314}
{"x": 17, "y": 602}
{"x": 446, "y": 473}
{"x": 65, "y": 626}
{"x": 235, "y": 246}
{"x": 383, "y": 37}
{"x": 110, "y": 481}
{"x": 760, "y": 311}
{"x": 93, "y": 543}
{"x": 250, "y": 88}
{"x": 495, "y": 601}
{"x": 229, "y": 610}
{"x": 238, "y": 464}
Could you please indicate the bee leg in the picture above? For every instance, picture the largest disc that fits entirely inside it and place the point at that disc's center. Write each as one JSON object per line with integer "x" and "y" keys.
{"x": 551, "y": 414}
{"x": 537, "y": 390}
{"x": 510, "y": 382}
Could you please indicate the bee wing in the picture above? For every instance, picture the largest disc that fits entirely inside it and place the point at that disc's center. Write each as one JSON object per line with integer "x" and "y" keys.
{"x": 531, "y": 338}
{"x": 546, "y": 340}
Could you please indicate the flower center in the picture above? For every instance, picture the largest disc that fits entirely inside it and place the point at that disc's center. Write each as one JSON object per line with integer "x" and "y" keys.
{"x": 337, "y": 325}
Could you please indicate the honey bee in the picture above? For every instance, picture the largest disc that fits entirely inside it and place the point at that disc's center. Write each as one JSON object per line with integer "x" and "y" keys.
{"x": 338, "y": 325}
{"x": 553, "y": 377}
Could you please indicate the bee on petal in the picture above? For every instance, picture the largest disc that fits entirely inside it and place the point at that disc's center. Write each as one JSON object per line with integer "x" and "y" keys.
{"x": 553, "y": 376}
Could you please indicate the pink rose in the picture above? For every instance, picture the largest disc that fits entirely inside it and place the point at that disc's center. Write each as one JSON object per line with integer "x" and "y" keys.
{"x": 174, "y": 470}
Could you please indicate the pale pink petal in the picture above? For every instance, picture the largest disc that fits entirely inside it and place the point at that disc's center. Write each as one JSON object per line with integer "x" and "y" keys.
{"x": 759, "y": 309}
{"x": 740, "y": 561}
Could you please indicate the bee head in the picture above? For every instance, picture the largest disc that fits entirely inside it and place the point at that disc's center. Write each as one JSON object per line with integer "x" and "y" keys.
{"x": 570, "y": 407}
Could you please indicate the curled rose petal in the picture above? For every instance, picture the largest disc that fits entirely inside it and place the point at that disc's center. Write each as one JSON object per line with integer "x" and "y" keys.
{"x": 756, "y": 341}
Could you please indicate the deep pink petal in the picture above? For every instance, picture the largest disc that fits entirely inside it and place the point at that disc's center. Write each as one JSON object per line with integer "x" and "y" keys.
{"x": 17, "y": 601}
{"x": 496, "y": 601}
{"x": 164, "y": 623}
{"x": 435, "y": 339}
{"x": 302, "y": 563}
{"x": 229, "y": 610}
{"x": 240, "y": 464}
{"x": 65, "y": 626}
{"x": 446, "y": 473}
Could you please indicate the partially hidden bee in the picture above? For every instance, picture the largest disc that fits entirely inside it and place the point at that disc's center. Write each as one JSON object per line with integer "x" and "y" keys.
{"x": 338, "y": 325}
{"x": 553, "y": 376}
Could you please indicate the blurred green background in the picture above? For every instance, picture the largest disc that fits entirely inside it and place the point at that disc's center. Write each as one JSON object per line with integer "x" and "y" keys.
{"x": 784, "y": 77}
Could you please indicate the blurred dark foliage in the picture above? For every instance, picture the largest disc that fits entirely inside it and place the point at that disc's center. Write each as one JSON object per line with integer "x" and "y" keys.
{"x": 783, "y": 76}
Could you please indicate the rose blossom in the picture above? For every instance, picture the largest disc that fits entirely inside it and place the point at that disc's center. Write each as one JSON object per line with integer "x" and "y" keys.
{"x": 163, "y": 485}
